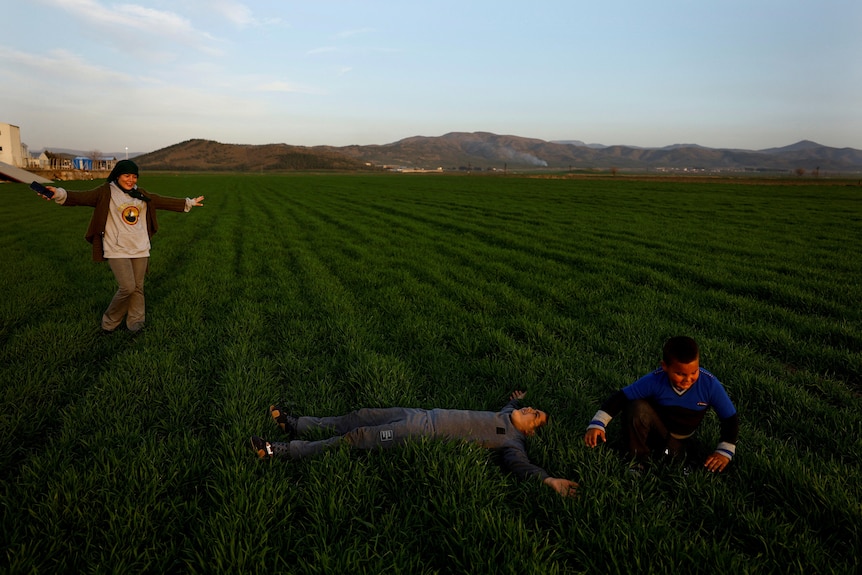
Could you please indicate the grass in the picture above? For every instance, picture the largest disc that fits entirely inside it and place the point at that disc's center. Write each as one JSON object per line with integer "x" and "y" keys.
{"x": 331, "y": 292}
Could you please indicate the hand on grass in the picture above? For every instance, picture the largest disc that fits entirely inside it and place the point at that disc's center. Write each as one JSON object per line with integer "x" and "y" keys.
{"x": 518, "y": 394}
{"x": 716, "y": 462}
{"x": 564, "y": 487}
{"x": 198, "y": 201}
{"x": 593, "y": 435}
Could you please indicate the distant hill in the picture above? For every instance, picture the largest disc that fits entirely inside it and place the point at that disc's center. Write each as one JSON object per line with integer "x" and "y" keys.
{"x": 480, "y": 149}
{"x": 802, "y": 146}
{"x": 203, "y": 155}
{"x": 487, "y": 151}
{"x": 580, "y": 143}
{"x": 457, "y": 149}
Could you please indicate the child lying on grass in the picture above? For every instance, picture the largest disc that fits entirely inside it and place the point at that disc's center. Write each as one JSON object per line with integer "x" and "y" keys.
{"x": 504, "y": 431}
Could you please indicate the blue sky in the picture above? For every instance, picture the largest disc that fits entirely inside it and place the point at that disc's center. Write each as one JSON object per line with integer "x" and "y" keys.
{"x": 753, "y": 74}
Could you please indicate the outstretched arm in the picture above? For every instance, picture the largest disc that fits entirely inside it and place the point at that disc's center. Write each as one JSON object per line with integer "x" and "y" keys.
{"x": 193, "y": 203}
{"x": 596, "y": 429}
{"x": 564, "y": 487}
{"x": 513, "y": 400}
{"x": 515, "y": 460}
{"x": 519, "y": 463}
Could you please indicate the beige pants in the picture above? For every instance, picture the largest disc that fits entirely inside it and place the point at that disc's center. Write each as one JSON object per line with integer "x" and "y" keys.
{"x": 128, "y": 302}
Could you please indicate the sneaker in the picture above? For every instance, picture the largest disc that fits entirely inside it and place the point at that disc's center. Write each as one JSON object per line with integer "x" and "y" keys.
{"x": 286, "y": 422}
{"x": 261, "y": 447}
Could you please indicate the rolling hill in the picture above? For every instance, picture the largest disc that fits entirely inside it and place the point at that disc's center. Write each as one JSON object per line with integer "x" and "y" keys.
{"x": 487, "y": 151}
{"x": 204, "y": 155}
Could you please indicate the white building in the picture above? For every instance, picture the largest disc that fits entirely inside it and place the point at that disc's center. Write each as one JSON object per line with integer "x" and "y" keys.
{"x": 11, "y": 151}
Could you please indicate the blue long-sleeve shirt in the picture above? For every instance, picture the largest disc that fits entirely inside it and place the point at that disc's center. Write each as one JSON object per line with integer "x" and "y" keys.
{"x": 681, "y": 412}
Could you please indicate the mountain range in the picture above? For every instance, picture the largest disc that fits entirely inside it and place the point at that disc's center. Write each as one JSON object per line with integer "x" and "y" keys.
{"x": 487, "y": 151}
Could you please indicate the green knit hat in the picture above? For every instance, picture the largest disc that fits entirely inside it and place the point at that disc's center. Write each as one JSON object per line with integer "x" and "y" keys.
{"x": 123, "y": 167}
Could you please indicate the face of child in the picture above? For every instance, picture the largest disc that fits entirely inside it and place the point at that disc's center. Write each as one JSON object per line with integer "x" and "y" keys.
{"x": 682, "y": 375}
{"x": 127, "y": 181}
{"x": 528, "y": 419}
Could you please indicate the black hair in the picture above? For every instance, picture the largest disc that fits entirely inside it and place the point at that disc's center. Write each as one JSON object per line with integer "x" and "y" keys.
{"x": 123, "y": 167}
{"x": 127, "y": 167}
{"x": 680, "y": 348}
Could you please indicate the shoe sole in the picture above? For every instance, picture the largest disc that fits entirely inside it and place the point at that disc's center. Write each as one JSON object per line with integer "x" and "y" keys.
{"x": 262, "y": 452}
{"x": 275, "y": 412}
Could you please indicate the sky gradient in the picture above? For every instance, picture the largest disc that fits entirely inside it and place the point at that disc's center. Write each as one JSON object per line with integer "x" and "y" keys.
{"x": 754, "y": 74}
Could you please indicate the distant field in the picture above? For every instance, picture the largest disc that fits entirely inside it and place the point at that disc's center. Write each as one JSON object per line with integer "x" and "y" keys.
{"x": 326, "y": 293}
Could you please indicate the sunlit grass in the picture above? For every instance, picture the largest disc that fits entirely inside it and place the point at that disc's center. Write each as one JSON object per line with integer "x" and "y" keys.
{"x": 326, "y": 293}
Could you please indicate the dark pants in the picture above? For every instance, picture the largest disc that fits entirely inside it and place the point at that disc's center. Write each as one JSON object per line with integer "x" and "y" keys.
{"x": 366, "y": 428}
{"x": 646, "y": 433}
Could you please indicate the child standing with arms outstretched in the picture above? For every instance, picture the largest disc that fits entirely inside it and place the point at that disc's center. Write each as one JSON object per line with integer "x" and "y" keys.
{"x": 124, "y": 220}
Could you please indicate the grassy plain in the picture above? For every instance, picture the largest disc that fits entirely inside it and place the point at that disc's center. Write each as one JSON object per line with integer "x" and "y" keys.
{"x": 125, "y": 454}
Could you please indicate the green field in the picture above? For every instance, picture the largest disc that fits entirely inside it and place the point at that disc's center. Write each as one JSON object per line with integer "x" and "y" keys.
{"x": 128, "y": 454}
